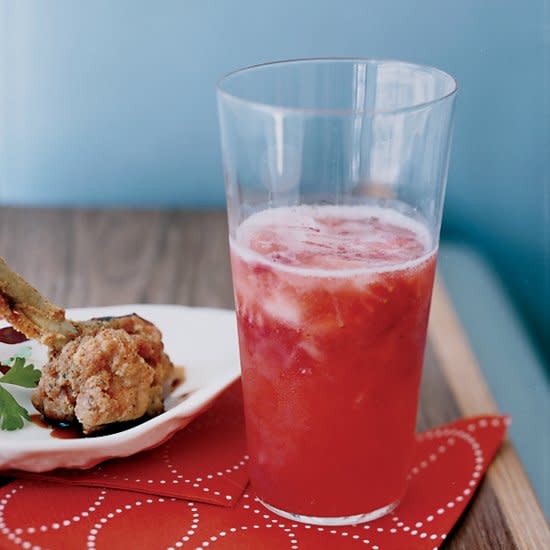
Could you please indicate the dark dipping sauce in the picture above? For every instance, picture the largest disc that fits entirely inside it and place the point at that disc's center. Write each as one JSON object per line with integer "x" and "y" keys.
{"x": 8, "y": 335}
{"x": 59, "y": 430}
{"x": 66, "y": 430}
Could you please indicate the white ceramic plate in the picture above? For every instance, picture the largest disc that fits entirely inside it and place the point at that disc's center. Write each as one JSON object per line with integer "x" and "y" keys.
{"x": 204, "y": 341}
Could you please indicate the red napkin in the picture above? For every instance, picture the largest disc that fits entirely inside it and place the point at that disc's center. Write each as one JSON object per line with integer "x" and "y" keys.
{"x": 205, "y": 461}
{"x": 450, "y": 462}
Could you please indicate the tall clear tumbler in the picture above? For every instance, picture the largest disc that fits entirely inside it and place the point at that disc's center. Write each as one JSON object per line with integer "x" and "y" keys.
{"x": 335, "y": 174}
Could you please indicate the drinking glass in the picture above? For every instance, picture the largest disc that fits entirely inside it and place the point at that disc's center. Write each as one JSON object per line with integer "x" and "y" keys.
{"x": 335, "y": 175}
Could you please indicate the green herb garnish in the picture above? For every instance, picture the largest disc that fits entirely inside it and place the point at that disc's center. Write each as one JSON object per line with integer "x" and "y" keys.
{"x": 12, "y": 414}
{"x": 23, "y": 374}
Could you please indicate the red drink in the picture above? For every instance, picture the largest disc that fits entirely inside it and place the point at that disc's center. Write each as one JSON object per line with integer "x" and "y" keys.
{"x": 332, "y": 309}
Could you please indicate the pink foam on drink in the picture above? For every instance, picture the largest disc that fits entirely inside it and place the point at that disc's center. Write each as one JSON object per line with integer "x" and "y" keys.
{"x": 333, "y": 238}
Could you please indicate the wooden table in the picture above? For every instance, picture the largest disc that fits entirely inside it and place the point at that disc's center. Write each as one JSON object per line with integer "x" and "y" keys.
{"x": 83, "y": 258}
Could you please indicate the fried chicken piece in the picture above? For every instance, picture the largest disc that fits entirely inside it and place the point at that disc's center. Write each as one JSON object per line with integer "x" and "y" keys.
{"x": 148, "y": 339}
{"x": 100, "y": 371}
{"x": 114, "y": 372}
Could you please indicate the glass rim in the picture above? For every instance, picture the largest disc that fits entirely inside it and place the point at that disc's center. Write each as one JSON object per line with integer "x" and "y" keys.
{"x": 346, "y": 111}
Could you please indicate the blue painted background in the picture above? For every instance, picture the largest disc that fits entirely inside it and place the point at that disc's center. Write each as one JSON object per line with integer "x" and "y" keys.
{"x": 113, "y": 102}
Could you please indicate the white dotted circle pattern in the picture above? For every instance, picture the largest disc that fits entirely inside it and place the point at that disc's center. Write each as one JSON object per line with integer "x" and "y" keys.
{"x": 420, "y": 528}
{"x": 177, "y": 477}
{"x": 199, "y": 481}
{"x": 15, "y": 534}
{"x": 92, "y": 535}
{"x": 262, "y": 518}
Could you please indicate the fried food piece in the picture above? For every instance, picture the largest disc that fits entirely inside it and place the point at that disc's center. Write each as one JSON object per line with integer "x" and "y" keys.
{"x": 114, "y": 372}
{"x": 96, "y": 380}
{"x": 148, "y": 339}
{"x": 100, "y": 371}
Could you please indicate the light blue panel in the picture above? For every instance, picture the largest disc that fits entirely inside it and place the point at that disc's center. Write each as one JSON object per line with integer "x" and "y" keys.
{"x": 112, "y": 102}
{"x": 506, "y": 355}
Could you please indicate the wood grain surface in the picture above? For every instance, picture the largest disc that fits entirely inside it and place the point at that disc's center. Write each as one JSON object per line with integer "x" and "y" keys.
{"x": 90, "y": 257}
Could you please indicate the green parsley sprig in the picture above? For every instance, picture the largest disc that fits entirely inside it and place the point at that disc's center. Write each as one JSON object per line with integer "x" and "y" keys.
{"x": 23, "y": 374}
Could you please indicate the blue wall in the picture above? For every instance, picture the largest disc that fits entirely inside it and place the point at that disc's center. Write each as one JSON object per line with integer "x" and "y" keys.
{"x": 112, "y": 102}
